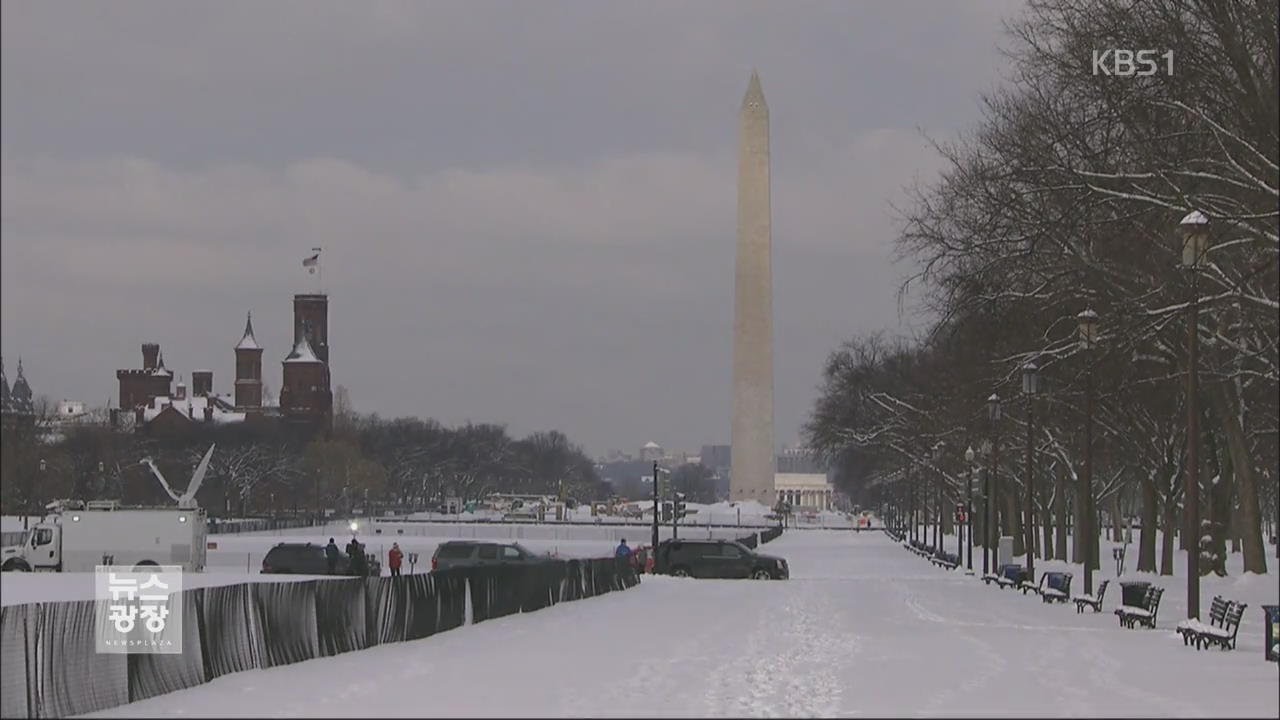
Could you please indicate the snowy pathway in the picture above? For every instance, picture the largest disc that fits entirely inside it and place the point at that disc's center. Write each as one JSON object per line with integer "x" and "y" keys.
{"x": 862, "y": 628}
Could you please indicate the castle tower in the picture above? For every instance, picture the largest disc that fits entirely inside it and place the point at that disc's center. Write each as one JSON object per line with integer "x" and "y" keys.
{"x": 248, "y": 368}
{"x": 752, "y": 463}
{"x": 304, "y": 394}
{"x": 311, "y": 317}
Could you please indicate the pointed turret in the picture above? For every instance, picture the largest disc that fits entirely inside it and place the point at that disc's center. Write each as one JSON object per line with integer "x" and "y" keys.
{"x": 302, "y": 352}
{"x": 20, "y": 396}
{"x": 248, "y": 341}
{"x": 248, "y": 368}
{"x": 4, "y": 389}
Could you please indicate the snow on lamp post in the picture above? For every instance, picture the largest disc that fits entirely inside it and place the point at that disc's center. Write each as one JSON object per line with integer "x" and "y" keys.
{"x": 1194, "y": 231}
{"x": 968, "y": 509}
{"x": 991, "y": 508}
{"x": 1088, "y": 326}
{"x": 1030, "y": 388}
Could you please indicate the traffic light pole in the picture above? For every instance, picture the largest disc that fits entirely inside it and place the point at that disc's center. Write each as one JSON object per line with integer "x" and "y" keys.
{"x": 655, "y": 506}
{"x": 675, "y": 511}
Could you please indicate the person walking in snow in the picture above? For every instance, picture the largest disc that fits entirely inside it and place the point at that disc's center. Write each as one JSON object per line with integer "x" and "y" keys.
{"x": 331, "y": 554}
{"x": 393, "y": 559}
{"x": 623, "y": 552}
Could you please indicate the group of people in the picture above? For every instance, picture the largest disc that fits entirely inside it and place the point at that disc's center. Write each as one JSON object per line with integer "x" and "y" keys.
{"x": 359, "y": 561}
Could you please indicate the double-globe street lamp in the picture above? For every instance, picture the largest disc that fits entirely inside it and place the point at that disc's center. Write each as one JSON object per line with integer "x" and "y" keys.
{"x": 939, "y": 449}
{"x": 1030, "y": 388}
{"x": 1194, "y": 229}
{"x": 991, "y": 508}
{"x": 968, "y": 503}
{"x": 1088, "y": 325}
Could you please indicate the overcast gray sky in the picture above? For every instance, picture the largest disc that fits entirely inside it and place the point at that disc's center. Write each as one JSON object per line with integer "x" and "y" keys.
{"x": 526, "y": 208}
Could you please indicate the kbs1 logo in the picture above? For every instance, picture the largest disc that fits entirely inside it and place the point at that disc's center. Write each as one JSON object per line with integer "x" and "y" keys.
{"x": 1130, "y": 63}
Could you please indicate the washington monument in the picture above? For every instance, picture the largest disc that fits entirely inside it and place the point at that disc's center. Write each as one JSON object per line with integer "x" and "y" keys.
{"x": 752, "y": 462}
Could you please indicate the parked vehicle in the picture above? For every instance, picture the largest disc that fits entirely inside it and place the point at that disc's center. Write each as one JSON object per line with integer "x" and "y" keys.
{"x": 309, "y": 559}
{"x": 77, "y": 536}
{"x": 716, "y": 559}
{"x": 467, "y": 553}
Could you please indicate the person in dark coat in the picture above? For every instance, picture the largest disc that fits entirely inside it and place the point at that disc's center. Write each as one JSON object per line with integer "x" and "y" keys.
{"x": 331, "y": 554}
{"x": 355, "y": 551}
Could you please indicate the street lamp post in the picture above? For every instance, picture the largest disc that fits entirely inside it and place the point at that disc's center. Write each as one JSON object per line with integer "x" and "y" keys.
{"x": 993, "y": 479}
{"x": 968, "y": 505}
{"x": 1088, "y": 321}
{"x": 1030, "y": 387}
{"x": 939, "y": 448}
{"x": 1194, "y": 230}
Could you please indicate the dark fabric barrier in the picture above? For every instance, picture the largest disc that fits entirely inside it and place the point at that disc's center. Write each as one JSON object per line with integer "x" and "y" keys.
{"x": 749, "y": 540}
{"x": 424, "y": 605}
{"x": 340, "y": 616}
{"x": 288, "y": 614}
{"x": 770, "y": 535}
{"x": 156, "y": 674}
{"x": 230, "y": 631}
{"x": 17, "y": 642}
{"x": 451, "y": 596}
{"x": 387, "y": 613}
{"x": 73, "y": 678}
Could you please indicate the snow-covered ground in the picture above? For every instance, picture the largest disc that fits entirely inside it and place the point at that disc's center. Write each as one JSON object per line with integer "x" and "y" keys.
{"x": 862, "y": 628}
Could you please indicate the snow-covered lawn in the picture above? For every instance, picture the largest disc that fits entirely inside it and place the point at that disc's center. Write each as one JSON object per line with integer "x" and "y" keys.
{"x": 862, "y": 628}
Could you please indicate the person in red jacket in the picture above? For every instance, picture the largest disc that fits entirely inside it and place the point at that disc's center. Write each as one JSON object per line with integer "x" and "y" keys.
{"x": 393, "y": 559}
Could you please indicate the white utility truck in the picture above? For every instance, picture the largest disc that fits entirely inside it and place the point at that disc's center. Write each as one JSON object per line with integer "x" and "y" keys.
{"x": 76, "y": 536}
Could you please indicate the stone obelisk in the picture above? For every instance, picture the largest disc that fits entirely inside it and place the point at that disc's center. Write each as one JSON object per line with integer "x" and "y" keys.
{"x": 752, "y": 463}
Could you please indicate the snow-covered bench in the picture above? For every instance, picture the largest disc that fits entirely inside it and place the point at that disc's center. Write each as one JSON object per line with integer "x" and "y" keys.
{"x": 1225, "y": 636}
{"x": 1191, "y": 627}
{"x": 1131, "y": 616}
{"x": 1057, "y": 587}
{"x": 1093, "y": 601}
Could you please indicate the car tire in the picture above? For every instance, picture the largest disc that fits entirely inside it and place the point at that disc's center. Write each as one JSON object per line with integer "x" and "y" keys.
{"x": 15, "y": 565}
{"x": 145, "y": 564}
{"x": 681, "y": 572}
{"x": 761, "y": 574}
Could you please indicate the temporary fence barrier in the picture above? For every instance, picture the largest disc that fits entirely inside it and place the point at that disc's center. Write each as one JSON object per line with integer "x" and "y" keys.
{"x": 52, "y": 669}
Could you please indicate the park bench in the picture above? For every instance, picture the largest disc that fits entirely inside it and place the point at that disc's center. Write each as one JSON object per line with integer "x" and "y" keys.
{"x": 945, "y": 560}
{"x": 1146, "y": 615}
{"x": 1217, "y": 613}
{"x": 1225, "y": 636}
{"x": 1057, "y": 588}
{"x": 1093, "y": 601}
{"x": 1011, "y": 576}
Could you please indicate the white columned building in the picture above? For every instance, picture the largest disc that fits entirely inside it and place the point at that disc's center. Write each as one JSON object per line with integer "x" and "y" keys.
{"x": 804, "y": 490}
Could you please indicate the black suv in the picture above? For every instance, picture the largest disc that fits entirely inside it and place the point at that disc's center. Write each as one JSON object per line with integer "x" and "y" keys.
{"x": 716, "y": 559}
{"x": 309, "y": 559}
{"x": 470, "y": 553}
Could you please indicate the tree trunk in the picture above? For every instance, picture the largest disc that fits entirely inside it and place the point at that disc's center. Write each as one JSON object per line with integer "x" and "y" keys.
{"x": 1117, "y": 520}
{"x": 1077, "y": 547}
{"x": 1013, "y": 521}
{"x": 1147, "y": 535}
{"x": 1060, "y": 499}
{"x": 1170, "y": 522}
{"x": 1255, "y": 553}
{"x": 1046, "y": 527}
